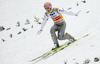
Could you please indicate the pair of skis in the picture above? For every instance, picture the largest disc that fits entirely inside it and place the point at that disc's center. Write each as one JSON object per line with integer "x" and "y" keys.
{"x": 52, "y": 52}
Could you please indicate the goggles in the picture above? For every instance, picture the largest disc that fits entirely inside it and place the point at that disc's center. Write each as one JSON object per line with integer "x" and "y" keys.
{"x": 47, "y": 8}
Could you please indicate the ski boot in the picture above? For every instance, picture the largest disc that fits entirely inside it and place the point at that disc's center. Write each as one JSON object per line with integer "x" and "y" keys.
{"x": 71, "y": 40}
{"x": 55, "y": 46}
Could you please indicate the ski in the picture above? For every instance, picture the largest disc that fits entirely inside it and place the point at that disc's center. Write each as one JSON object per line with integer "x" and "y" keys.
{"x": 52, "y": 52}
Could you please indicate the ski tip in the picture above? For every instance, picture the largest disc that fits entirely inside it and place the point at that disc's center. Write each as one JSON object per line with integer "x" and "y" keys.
{"x": 86, "y": 35}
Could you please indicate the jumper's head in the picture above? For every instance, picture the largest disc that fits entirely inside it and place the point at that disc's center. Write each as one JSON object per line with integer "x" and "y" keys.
{"x": 48, "y": 6}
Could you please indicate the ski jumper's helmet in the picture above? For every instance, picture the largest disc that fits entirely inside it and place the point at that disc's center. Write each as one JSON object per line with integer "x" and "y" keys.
{"x": 48, "y": 6}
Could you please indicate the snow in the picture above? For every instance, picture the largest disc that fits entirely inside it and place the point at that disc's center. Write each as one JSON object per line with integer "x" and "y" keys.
{"x": 28, "y": 45}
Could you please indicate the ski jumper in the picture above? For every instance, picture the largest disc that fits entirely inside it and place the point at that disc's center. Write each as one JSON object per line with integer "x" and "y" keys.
{"x": 59, "y": 24}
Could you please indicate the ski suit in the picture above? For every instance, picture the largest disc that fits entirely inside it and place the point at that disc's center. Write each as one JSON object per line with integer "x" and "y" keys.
{"x": 59, "y": 24}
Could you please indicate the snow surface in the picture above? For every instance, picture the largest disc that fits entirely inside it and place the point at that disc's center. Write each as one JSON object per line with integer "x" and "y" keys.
{"x": 28, "y": 45}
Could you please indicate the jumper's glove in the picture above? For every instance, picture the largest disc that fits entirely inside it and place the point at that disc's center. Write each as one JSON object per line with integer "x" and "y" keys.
{"x": 39, "y": 32}
{"x": 77, "y": 13}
